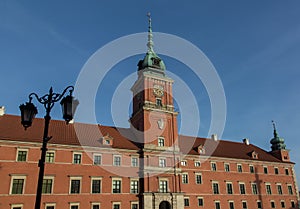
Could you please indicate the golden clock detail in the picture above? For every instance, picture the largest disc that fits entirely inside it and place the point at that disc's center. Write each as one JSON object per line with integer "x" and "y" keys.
{"x": 158, "y": 90}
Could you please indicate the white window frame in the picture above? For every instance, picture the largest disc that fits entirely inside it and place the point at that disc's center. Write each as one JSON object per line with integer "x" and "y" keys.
{"x": 97, "y": 155}
{"x": 266, "y": 170}
{"x": 185, "y": 180}
{"x": 226, "y": 164}
{"x": 114, "y": 161}
{"x": 256, "y": 188}
{"x": 161, "y": 141}
{"x": 22, "y": 149}
{"x": 50, "y": 205}
{"x": 198, "y": 198}
{"x": 75, "y": 204}
{"x": 50, "y": 151}
{"x": 13, "y": 177}
{"x": 80, "y": 185}
{"x": 52, "y": 186}
{"x": 116, "y": 203}
{"x": 212, "y": 185}
{"x": 213, "y": 168}
{"x": 16, "y": 206}
{"x": 197, "y": 163}
{"x": 134, "y": 180}
{"x": 162, "y": 159}
{"x": 244, "y": 201}
{"x": 166, "y": 180}
{"x": 186, "y": 198}
{"x": 245, "y": 191}
{"x": 95, "y": 204}
{"x": 137, "y": 161}
{"x": 121, "y": 186}
{"x": 250, "y": 168}
{"x": 227, "y": 191}
{"x": 198, "y": 174}
{"x": 231, "y": 201}
{"x": 96, "y": 178}
{"x": 239, "y": 168}
{"x": 73, "y": 160}
{"x": 134, "y": 203}
{"x": 183, "y": 163}
{"x": 266, "y": 186}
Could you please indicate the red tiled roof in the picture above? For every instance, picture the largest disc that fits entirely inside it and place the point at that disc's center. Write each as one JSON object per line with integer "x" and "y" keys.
{"x": 81, "y": 134}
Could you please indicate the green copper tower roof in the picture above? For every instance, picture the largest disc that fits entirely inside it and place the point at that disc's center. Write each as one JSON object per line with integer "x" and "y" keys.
{"x": 277, "y": 142}
{"x": 151, "y": 62}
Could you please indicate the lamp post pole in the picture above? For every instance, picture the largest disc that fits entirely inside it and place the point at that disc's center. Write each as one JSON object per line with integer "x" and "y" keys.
{"x": 28, "y": 112}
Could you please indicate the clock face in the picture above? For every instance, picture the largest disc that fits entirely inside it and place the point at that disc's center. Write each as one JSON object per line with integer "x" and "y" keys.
{"x": 158, "y": 90}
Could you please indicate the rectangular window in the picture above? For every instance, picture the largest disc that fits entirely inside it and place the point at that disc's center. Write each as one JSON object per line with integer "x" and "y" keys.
{"x": 279, "y": 189}
{"x": 229, "y": 188}
{"x": 95, "y": 205}
{"x": 50, "y": 207}
{"x": 96, "y": 186}
{"x": 183, "y": 163}
{"x": 244, "y": 204}
{"x": 116, "y": 206}
{"x": 117, "y": 160}
{"x": 265, "y": 170}
{"x": 286, "y": 171}
{"x": 242, "y": 188}
{"x": 259, "y": 204}
{"x": 134, "y": 206}
{"x": 134, "y": 186}
{"x": 134, "y": 162}
{"x": 251, "y": 168}
{"x": 197, "y": 164}
{"x": 200, "y": 201}
{"x": 217, "y": 205}
{"x": 293, "y": 205}
{"x": 226, "y": 167}
{"x": 268, "y": 189}
{"x": 185, "y": 179}
{"x": 186, "y": 202}
{"x": 239, "y": 168}
{"x": 213, "y": 166}
{"x": 162, "y": 162}
{"x": 254, "y": 188}
{"x": 231, "y": 205}
{"x": 161, "y": 142}
{"x": 158, "y": 102}
{"x": 290, "y": 190}
{"x": 74, "y": 206}
{"x": 47, "y": 186}
{"x": 276, "y": 171}
{"x": 50, "y": 157}
{"x": 163, "y": 186}
{"x": 215, "y": 186}
{"x": 77, "y": 158}
{"x": 272, "y": 204}
{"x": 116, "y": 186}
{"x": 75, "y": 186}
{"x": 97, "y": 159}
{"x": 198, "y": 179}
{"x": 17, "y": 185}
{"x": 282, "y": 204}
{"x": 22, "y": 155}
{"x": 17, "y": 206}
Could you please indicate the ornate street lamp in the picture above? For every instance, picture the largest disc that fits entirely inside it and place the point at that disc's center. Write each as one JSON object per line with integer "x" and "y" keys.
{"x": 28, "y": 112}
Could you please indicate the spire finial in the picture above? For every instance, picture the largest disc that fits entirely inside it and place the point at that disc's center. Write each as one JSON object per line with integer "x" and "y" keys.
{"x": 274, "y": 127}
{"x": 150, "y": 41}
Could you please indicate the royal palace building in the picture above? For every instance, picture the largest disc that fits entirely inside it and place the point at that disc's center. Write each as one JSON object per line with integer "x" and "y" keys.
{"x": 146, "y": 166}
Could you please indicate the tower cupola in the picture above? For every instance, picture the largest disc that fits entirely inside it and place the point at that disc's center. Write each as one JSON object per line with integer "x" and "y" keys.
{"x": 152, "y": 62}
{"x": 277, "y": 142}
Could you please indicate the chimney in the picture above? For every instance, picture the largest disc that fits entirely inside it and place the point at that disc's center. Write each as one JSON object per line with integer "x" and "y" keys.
{"x": 2, "y": 110}
{"x": 246, "y": 141}
{"x": 214, "y": 137}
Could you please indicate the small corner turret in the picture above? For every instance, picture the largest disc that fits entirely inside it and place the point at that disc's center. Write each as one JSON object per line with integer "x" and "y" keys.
{"x": 278, "y": 146}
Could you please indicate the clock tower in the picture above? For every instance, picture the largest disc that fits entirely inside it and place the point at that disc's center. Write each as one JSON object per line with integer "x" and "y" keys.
{"x": 154, "y": 121}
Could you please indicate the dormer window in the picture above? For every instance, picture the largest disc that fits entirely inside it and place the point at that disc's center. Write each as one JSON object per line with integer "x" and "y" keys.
{"x": 254, "y": 155}
{"x": 201, "y": 149}
{"x": 107, "y": 140}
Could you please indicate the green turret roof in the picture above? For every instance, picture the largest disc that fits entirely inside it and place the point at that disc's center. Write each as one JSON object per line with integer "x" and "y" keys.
{"x": 277, "y": 142}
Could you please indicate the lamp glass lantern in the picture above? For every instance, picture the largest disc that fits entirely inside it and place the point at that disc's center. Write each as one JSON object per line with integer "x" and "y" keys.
{"x": 28, "y": 112}
{"x": 69, "y": 105}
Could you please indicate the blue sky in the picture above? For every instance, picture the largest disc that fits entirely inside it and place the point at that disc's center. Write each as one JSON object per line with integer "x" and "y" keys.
{"x": 254, "y": 46}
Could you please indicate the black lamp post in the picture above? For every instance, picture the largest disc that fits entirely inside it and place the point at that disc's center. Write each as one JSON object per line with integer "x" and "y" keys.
{"x": 28, "y": 112}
